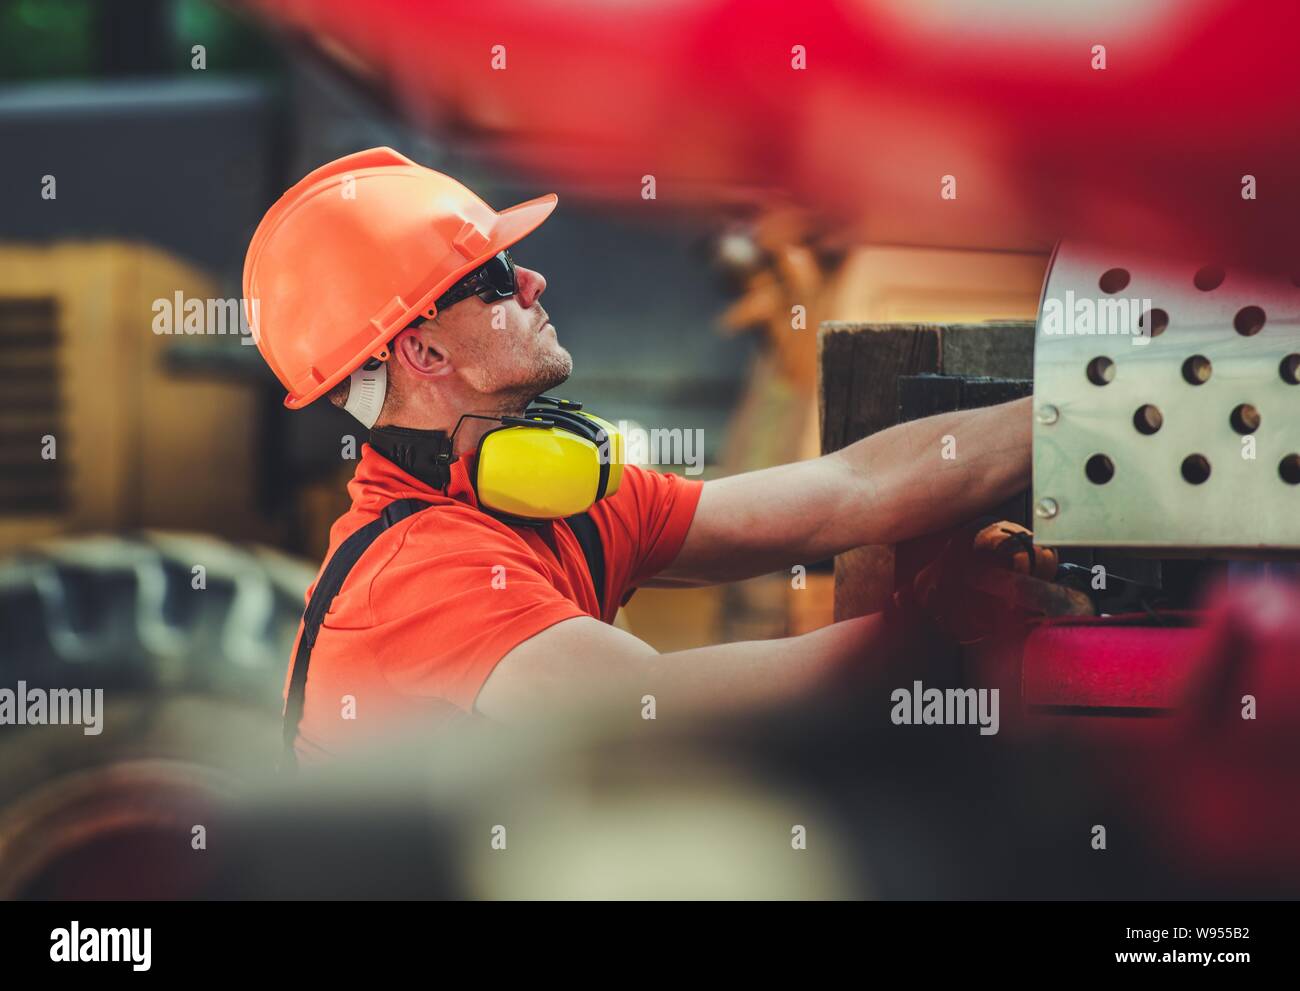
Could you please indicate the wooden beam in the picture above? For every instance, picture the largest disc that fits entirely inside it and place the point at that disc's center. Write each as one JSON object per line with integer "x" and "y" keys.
{"x": 858, "y": 369}
{"x": 859, "y": 365}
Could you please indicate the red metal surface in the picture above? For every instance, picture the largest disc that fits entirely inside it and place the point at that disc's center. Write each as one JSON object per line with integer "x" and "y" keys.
{"x": 1109, "y": 664}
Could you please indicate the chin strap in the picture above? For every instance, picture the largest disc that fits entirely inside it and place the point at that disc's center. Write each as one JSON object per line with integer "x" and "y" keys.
{"x": 426, "y": 454}
{"x": 366, "y": 390}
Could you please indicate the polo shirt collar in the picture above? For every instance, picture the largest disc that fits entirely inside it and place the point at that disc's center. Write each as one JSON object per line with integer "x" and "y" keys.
{"x": 378, "y": 481}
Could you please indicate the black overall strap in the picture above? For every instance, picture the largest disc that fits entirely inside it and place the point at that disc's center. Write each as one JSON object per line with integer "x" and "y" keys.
{"x": 336, "y": 573}
{"x": 584, "y": 528}
{"x": 322, "y": 596}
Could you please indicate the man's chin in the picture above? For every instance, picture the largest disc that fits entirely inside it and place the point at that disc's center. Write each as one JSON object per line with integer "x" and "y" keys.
{"x": 554, "y": 369}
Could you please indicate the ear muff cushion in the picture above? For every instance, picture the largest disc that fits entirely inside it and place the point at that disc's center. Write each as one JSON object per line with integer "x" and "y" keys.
{"x": 537, "y": 473}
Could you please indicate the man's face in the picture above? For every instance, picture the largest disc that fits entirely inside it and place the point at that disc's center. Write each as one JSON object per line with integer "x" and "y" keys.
{"x": 506, "y": 348}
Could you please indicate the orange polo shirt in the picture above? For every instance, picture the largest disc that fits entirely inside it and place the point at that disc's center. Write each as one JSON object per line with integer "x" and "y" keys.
{"x": 437, "y": 600}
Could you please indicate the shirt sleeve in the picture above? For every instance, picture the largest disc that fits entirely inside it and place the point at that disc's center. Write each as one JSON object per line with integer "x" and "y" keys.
{"x": 643, "y": 525}
{"x": 453, "y": 602}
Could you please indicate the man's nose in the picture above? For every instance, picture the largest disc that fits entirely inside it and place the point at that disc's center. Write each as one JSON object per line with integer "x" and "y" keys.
{"x": 529, "y": 285}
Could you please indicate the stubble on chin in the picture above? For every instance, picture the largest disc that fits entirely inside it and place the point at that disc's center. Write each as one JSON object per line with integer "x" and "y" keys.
{"x": 552, "y": 368}
{"x": 555, "y": 367}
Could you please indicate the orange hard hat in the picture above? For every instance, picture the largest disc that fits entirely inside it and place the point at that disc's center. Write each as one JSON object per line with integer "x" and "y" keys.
{"x": 354, "y": 252}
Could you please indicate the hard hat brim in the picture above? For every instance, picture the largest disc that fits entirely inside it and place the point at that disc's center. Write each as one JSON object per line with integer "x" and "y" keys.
{"x": 516, "y": 223}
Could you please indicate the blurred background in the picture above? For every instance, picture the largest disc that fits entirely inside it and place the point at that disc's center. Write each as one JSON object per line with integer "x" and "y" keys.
{"x": 678, "y": 312}
{"x": 142, "y": 140}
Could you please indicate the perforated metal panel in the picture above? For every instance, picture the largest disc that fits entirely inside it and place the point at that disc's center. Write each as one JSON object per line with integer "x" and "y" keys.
{"x": 1177, "y": 427}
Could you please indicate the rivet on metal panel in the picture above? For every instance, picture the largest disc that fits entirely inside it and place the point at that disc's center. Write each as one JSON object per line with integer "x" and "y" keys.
{"x": 1046, "y": 509}
{"x": 1048, "y": 414}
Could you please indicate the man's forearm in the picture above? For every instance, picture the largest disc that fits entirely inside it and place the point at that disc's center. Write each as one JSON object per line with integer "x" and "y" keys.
{"x": 929, "y": 474}
{"x": 909, "y": 480}
{"x": 761, "y": 672}
{"x": 584, "y": 664}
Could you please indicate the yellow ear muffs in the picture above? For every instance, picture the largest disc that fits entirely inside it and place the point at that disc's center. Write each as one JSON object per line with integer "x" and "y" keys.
{"x": 537, "y": 473}
{"x": 602, "y": 433}
{"x": 554, "y": 461}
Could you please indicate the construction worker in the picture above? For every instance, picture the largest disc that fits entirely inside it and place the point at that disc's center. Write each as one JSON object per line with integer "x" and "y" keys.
{"x": 494, "y": 531}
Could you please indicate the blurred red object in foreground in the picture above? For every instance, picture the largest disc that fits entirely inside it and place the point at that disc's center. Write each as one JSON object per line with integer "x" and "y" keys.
{"x": 1226, "y": 790}
{"x": 1216, "y": 770}
{"x": 1009, "y": 99}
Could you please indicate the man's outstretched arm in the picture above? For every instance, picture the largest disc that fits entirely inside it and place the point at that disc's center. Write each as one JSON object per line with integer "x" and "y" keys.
{"x": 583, "y": 663}
{"x": 903, "y": 482}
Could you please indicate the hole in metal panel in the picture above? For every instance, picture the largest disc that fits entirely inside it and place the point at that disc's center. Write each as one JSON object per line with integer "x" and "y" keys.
{"x": 1196, "y": 468}
{"x": 1244, "y": 419}
{"x": 1197, "y": 369}
{"x": 1101, "y": 370}
{"x": 1209, "y": 277}
{"x": 1148, "y": 419}
{"x": 1289, "y": 469}
{"x": 1113, "y": 280}
{"x": 1099, "y": 469}
{"x": 1159, "y": 320}
{"x": 1290, "y": 369}
{"x": 1249, "y": 321}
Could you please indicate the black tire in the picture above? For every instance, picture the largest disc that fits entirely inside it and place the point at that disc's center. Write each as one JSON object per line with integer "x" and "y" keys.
{"x": 191, "y": 678}
{"x": 123, "y": 613}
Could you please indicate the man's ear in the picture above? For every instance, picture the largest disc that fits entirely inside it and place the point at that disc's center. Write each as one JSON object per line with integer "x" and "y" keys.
{"x": 415, "y": 348}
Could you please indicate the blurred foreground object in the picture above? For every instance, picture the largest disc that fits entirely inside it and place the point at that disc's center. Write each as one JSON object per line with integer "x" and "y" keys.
{"x": 1004, "y": 125}
{"x": 186, "y": 637}
{"x": 825, "y": 798}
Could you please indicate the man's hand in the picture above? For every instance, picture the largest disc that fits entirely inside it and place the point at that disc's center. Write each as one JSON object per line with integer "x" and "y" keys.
{"x": 903, "y": 482}
{"x": 985, "y": 577}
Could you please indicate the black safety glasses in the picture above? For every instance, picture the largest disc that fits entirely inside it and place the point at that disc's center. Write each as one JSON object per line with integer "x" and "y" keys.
{"x": 494, "y": 279}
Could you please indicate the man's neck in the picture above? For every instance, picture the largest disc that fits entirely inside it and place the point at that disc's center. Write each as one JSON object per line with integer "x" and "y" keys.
{"x": 468, "y": 431}
{"x": 471, "y": 433}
